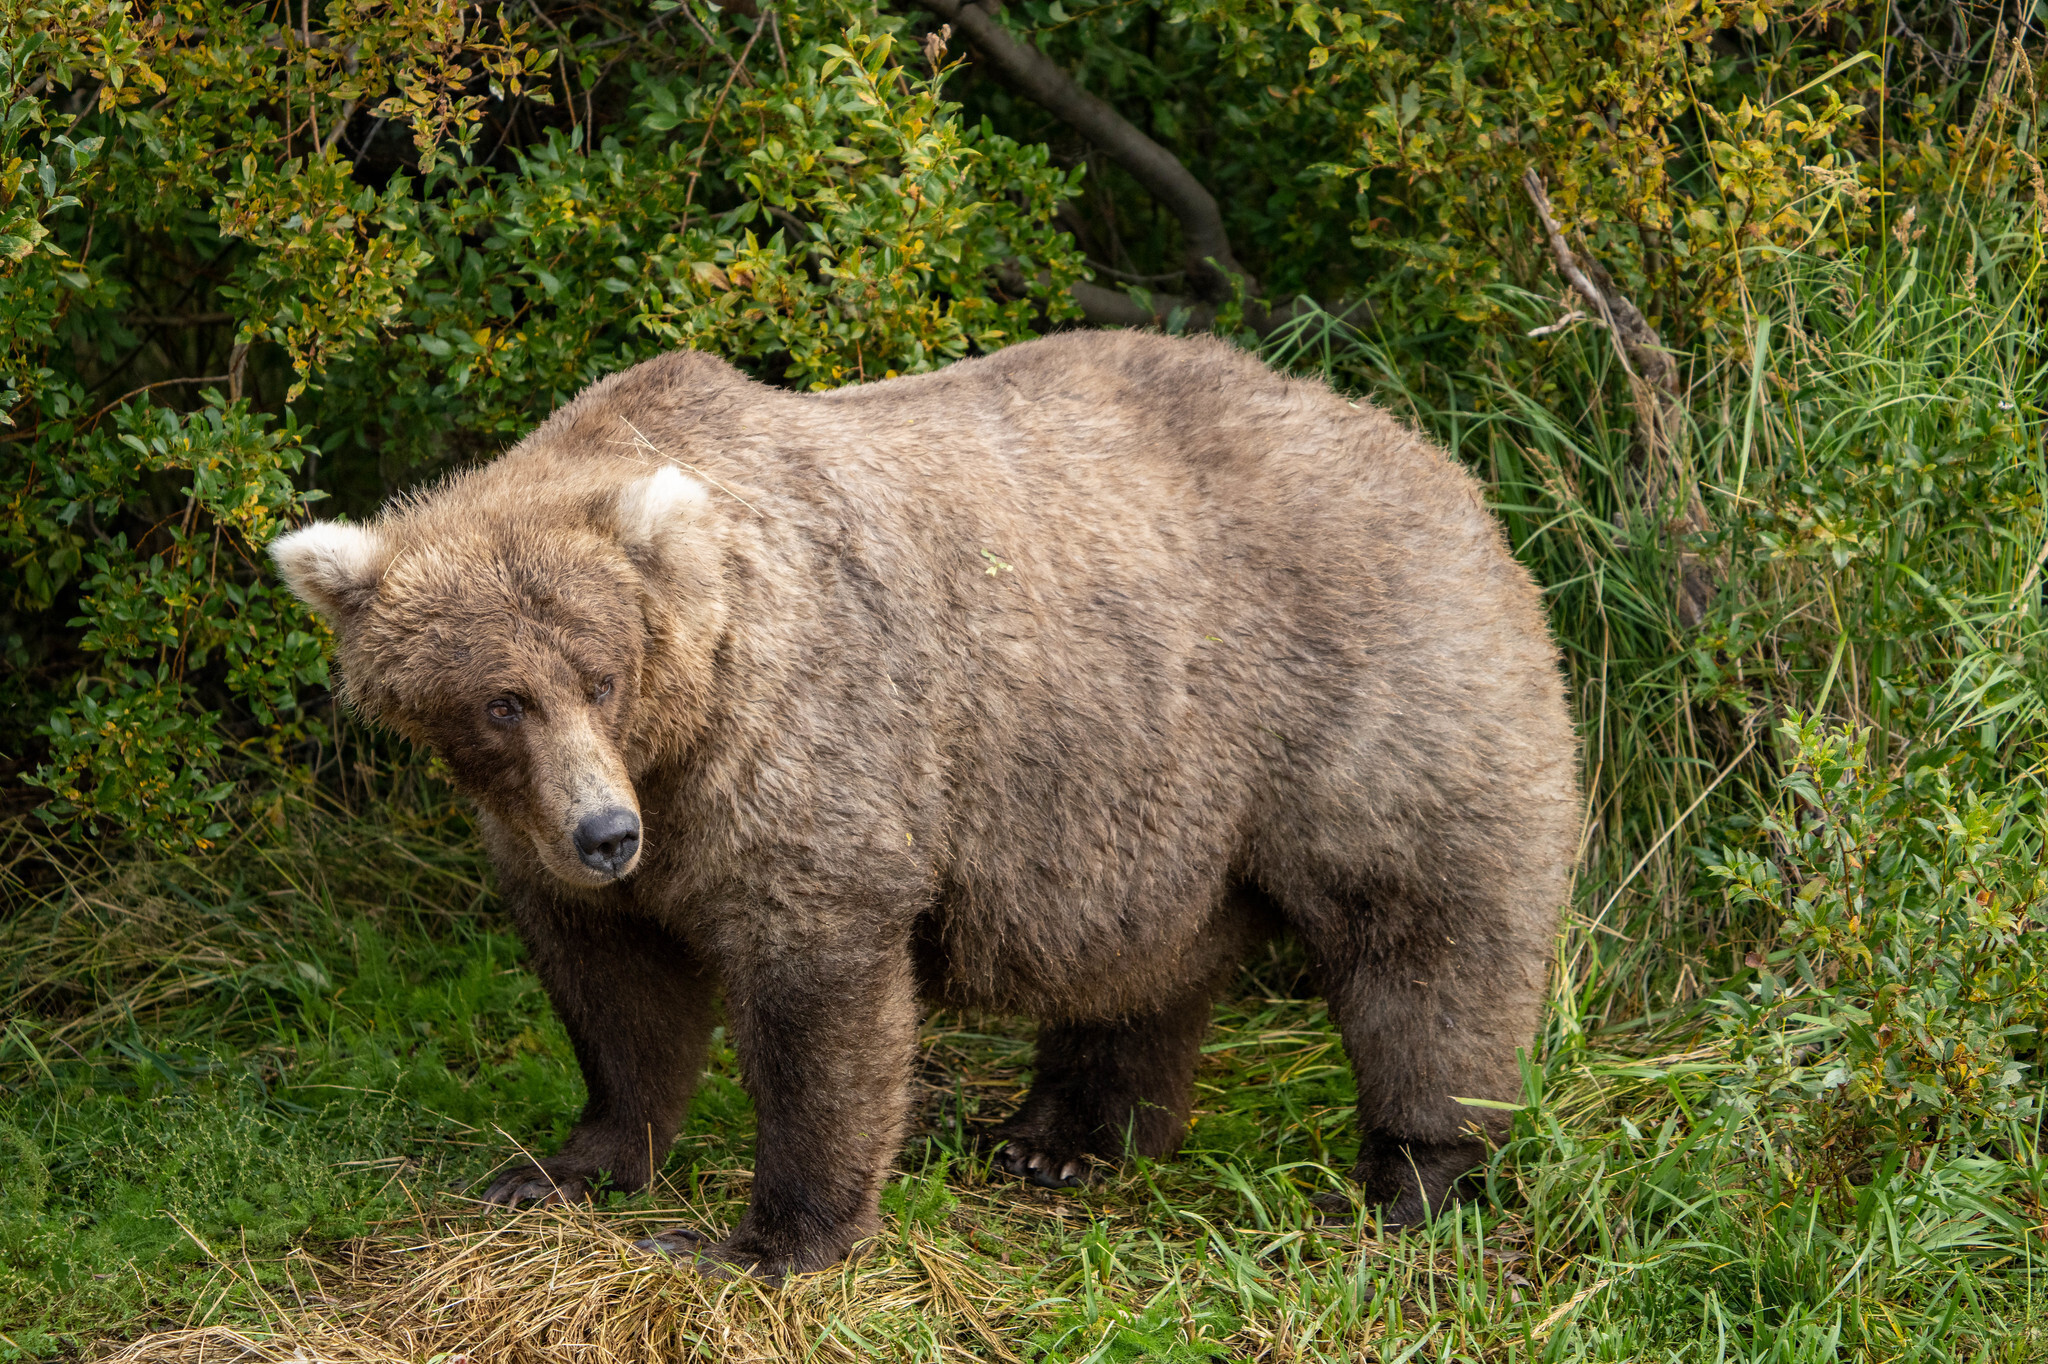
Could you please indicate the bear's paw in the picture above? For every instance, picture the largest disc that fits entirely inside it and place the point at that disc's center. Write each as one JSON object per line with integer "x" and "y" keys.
{"x": 537, "y": 1186}
{"x": 1046, "y": 1168}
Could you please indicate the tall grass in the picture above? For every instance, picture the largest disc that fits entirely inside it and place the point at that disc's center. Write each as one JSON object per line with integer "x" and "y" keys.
{"x": 1871, "y": 461}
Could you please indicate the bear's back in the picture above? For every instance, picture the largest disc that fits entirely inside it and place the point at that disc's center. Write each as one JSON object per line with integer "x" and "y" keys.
{"x": 1181, "y": 466}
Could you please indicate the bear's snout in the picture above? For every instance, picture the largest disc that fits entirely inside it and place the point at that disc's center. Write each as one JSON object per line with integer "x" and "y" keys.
{"x": 606, "y": 841}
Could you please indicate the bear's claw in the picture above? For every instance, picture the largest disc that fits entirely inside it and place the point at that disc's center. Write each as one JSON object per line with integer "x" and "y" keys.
{"x": 689, "y": 1248}
{"x": 1045, "y": 1170}
{"x": 681, "y": 1242}
{"x": 1334, "y": 1210}
{"x": 1338, "y": 1211}
{"x": 531, "y": 1184}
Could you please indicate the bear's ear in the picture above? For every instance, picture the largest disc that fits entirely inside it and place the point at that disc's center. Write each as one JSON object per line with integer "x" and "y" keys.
{"x": 651, "y": 509}
{"x": 332, "y": 567}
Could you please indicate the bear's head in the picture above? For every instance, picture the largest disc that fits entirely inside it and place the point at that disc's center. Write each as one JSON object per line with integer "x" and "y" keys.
{"x": 519, "y": 632}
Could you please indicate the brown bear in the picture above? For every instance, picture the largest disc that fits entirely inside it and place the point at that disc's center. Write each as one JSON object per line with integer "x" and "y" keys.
{"x": 1049, "y": 684}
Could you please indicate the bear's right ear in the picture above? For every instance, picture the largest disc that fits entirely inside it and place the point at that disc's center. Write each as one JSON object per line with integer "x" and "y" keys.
{"x": 653, "y": 508}
{"x": 332, "y": 567}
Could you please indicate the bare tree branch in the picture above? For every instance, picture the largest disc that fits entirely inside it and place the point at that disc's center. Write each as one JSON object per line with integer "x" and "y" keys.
{"x": 1022, "y": 67}
{"x": 1102, "y": 307}
{"x": 1213, "y": 273}
{"x": 1635, "y": 340}
{"x": 1115, "y": 308}
{"x": 1653, "y": 391}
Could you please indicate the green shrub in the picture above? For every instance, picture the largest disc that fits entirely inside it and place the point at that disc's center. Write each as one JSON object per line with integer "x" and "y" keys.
{"x": 132, "y": 745}
{"x": 403, "y": 233}
{"x": 1904, "y": 1003}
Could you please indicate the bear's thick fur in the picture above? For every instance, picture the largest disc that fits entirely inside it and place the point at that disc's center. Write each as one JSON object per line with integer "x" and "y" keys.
{"x": 1046, "y": 684}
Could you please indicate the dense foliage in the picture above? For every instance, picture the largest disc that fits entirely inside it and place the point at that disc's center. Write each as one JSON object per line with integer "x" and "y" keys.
{"x": 1377, "y": 151}
{"x": 1909, "y": 994}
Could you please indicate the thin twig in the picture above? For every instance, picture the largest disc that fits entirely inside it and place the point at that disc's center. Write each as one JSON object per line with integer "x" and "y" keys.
{"x": 1566, "y": 323}
{"x": 641, "y": 442}
{"x": 161, "y": 383}
{"x": 1676, "y": 824}
{"x": 710, "y": 124}
{"x": 565, "y": 51}
{"x": 2033, "y": 572}
{"x": 774, "y": 22}
{"x": 348, "y": 111}
{"x": 711, "y": 41}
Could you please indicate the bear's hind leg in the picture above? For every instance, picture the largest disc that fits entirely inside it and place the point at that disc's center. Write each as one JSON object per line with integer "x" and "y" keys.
{"x": 1104, "y": 1088}
{"x": 1433, "y": 991}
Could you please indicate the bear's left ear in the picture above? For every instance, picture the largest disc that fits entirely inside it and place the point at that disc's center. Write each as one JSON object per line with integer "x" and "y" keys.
{"x": 332, "y": 567}
{"x": 651, "y": 509}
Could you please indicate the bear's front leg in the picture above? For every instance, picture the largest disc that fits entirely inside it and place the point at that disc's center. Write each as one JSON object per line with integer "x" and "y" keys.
{"x": 637, "y": 1005}
{"x": 826, "y": 1032}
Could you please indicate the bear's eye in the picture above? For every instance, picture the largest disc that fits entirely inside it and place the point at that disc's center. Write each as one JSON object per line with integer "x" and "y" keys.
{"x": 505, "y": 710}
{"x": 604, "y": 689}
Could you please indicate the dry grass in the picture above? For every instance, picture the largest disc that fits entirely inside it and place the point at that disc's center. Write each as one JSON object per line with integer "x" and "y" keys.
{"x": 566, "y": 1284}
{"x": 554, "y": 1284}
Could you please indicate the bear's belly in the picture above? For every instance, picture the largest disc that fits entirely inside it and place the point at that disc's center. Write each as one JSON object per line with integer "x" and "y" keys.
{"x": 1079, "y": 962}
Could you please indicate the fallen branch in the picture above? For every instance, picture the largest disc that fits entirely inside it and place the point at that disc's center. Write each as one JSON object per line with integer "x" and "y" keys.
{"x": 1653, "y": 391}
{"x": 1101, "y": 307}
{"x": 1635, "y": 340}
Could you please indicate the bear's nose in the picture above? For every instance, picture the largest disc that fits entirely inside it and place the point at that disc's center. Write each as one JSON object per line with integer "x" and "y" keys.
{"x": 607, "y": 841}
